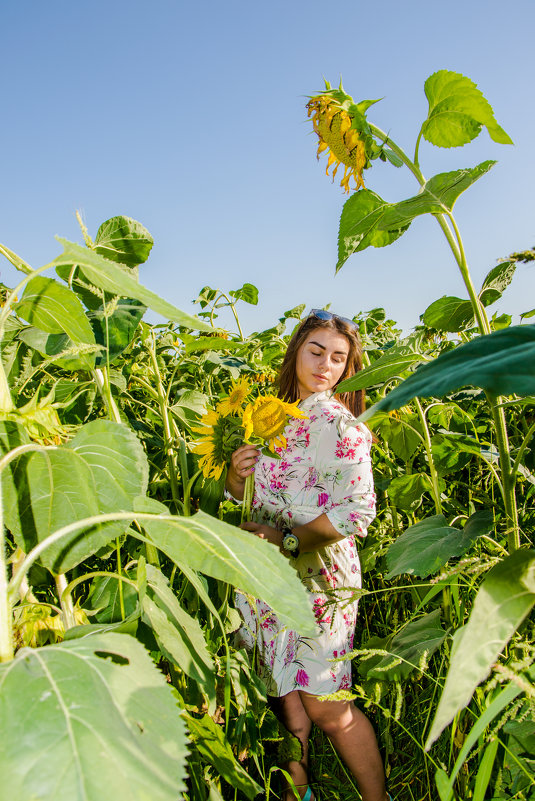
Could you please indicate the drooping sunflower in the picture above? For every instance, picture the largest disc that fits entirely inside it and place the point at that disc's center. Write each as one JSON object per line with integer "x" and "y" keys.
{"x": 216, "y": 443}
{"x": 236, "y": 398}
{"x": 343, "y": 129}
{"x": 266, "y": 418}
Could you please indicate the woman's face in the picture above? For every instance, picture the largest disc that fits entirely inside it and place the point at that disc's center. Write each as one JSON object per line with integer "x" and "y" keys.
{"x": 321, "y": 361}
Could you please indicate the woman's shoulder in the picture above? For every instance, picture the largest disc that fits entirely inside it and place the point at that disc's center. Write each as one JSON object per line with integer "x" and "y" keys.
{"x": 328, "y": 409}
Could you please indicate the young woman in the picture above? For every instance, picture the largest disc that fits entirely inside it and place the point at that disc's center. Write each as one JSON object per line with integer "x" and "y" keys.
{"x": 314, "y": 503}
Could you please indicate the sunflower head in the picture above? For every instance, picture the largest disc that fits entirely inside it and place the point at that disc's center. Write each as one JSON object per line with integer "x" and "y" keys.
{"x": 216, "y": 443}
{"x": 342, "y": 129}
{"x": 266, "y": 418}
{"x": 236, "y": 398}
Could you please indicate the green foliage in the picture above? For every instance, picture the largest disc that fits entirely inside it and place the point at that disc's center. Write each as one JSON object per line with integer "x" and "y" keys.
{"x": 134, "y": 747}
{"x": 235, "y": 557}
{"x": 106, "y": 275}
{"x": 457, "y": 112}
{"x": 367, "y": 220}
{"x": 504, "y": 599}
{"x": 99, "y": 412}
{"x": 124, "y": 240}
{"x": 425, "y": 547}
{"x": 499, "y": 363}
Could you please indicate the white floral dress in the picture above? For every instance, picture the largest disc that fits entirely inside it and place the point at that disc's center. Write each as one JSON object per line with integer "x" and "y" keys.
{"x": 326, "y": 468}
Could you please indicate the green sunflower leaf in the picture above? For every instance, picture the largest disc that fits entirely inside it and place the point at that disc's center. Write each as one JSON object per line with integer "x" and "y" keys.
{"x": 91, "y": 718}
{"x": 124, "y": 240}
{"x": 457, "y": 112}
{"x": 368, "y": 220}
{"x": 449, "y": 314}
{"x": 496, "y": 281}
{"x": 501, "y": 363}
{"x": 504, "y": 599}
{"x": 359, "y": 225}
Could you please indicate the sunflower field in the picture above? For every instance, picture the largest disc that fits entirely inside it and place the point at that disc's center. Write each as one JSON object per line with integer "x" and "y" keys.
{"x": 120, "y": 551}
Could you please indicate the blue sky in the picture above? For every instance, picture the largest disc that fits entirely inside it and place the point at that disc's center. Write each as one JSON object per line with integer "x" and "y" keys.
{"x": 190, "y": 118}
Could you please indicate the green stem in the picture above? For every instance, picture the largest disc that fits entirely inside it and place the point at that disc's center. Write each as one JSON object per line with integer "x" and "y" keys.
{"x": 479, "y": 309}
{"x": 521, "y": 450}
{"x": 248, "y": 493}
{"x": 416, "y": 149}
{"x": 168, "y": 436}
{"x": 508, "y": 473}
{"x": 120, "y": 572}
{"x": 106, "y": 574}
{"x": 7, "y": 650}
{"x": 429, "y": 454}
{"x": 65, "y": 601}
{"x": 102, "y": 380}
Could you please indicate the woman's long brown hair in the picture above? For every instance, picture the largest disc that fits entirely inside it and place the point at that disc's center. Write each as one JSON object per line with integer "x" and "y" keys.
{"x": 287, "y": 381}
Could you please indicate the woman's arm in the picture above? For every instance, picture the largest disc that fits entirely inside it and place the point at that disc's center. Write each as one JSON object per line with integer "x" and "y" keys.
{"x": 312, "y": 536}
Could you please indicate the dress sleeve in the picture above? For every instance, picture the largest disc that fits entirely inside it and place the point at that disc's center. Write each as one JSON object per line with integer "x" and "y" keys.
{"x": 345, "y": 466}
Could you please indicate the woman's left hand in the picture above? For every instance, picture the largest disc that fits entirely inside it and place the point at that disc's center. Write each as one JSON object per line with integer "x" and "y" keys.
{"x": 263, "y": 531}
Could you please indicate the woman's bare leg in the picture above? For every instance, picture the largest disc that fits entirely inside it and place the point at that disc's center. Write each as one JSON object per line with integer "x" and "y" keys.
{"x": 290, "y": 711}
{"x": 353, "y": 736}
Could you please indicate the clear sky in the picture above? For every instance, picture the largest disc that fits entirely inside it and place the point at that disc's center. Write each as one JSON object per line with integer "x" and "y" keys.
{"x": 190, "y": 117}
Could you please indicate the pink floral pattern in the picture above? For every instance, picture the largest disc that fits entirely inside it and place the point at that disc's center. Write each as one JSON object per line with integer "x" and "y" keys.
{"x": 325, "y": 469}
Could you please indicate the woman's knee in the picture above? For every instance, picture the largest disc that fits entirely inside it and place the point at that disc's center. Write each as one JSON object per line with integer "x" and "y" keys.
{"x": 331, "y": 717}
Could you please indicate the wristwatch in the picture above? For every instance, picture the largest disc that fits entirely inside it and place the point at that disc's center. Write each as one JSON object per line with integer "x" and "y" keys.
{"x": 290, "y": 541}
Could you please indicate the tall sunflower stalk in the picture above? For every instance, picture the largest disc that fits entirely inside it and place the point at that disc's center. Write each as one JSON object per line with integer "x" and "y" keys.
{"x": 237, "y": 419}
{"x": 353, "y": 141}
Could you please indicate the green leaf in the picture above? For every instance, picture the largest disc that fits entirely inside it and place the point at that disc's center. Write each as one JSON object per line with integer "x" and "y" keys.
{"x": 504, "y": 599}
{"x": 437, "y": 195}
{"x": 203, "y": 344}
{"x": 425, "y": 547}
{"x": 115, "y": 331}
{"x": 501, "y": 363}
{"x": 104, "y": 599}
{"x": 392, "y": 363}
{"x": 443, "y": 785}
{"x": 448, "y": 454}
{"x": 457, "y": 111}
{"x": 109, "y": 276}
{"x": 367, "y": 220}
{"x": 102, "y": 716}
{"x": 399, "y": 436}
{"x": 124, "y": 240}
{"x": 248, "y": 293}
{"x": 211, "y": 742}
{"x": 406, "y": 491}
{"x": 60, "y": 489}
{"x": 236, "y": 557}
{"x": 359, "y": 225}
{"x": 102, "y": 469}
{"x": 12, "y": 435}
{"x": 449, "y": 314}
{"x": 53, "y": 345}
{"x": 406, "y": 649}
{"x": 55, "y": 309}
{"x": 496, "y": 281}
{"x": 178, "y": 634}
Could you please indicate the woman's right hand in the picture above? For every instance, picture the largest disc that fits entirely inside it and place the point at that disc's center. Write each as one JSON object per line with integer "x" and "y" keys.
{"x": 242, "y": 464}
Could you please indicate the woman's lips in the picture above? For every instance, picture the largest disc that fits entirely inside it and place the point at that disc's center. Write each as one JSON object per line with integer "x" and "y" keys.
{"x": 320, "y": 377}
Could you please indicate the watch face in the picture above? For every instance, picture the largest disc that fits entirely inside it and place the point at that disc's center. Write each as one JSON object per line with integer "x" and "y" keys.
{"x": 290, "y": 542}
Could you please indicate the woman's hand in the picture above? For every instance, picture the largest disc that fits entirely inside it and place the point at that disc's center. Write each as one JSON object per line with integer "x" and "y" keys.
{"x": 264, "y": 531}
{"x": 242, "y": 464}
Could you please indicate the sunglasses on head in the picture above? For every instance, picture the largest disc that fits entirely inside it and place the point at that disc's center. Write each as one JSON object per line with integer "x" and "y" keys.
{"x": 323, "y": 314}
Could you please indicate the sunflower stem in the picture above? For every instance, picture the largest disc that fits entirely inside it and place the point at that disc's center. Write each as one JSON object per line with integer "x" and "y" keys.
{"x": 248, "y": 492}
